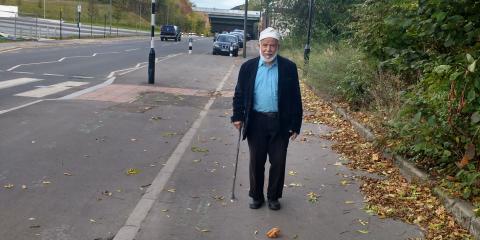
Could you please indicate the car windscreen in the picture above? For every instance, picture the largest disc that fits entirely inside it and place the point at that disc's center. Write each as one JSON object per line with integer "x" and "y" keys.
{"x": 168, "y": 29}
{"x": 225, "y": 38}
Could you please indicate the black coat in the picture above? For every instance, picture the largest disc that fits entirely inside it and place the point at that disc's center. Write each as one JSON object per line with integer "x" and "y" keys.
{"x": 289, "y": 99}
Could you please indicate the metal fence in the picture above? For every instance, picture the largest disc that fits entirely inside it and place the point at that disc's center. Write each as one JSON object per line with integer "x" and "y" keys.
{"x": 30, "y": 26}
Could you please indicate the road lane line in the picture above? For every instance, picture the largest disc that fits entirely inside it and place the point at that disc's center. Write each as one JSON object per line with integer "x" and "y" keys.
{"x": 21, "y": 106}
{"x": 143, "y": 207}
{"x": 129, "y": 50}
{"x": 9, "y": 50}
{"x": 17, "y": 81}
{"x": 52, "y": 89}
{"x": 82, "y": 77}
{"x": 53, "y": 74}
{"x": 25, "y": 64}
{"x": 30, "y": 73}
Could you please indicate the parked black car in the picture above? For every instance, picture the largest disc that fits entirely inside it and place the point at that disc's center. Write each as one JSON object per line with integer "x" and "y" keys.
{"x": 222, "y": 45}
{"x": 170, "y": 32}
{"x": 240, "y": 38}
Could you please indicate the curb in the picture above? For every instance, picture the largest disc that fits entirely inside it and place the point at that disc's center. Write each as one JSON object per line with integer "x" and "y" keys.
{"x": 460, "y": 209}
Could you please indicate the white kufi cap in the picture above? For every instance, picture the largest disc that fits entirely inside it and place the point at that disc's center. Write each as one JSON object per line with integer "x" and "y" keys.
{"x": 269, "y": 33}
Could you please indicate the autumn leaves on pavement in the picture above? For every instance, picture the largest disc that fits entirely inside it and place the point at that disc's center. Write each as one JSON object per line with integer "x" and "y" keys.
{"x": 389, "y": 194}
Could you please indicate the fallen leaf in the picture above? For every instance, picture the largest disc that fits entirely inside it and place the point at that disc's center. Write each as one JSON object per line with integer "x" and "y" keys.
{"x": 375, "y": 157}
{"x": 197, "y": 160}
{"x": 349, "y": 202}
{"x": 172, "y": 190}
{"x": 469, "y": 155}
{"x": 46, "y": 182}
{"x": 132, "y": 171}
{"x": 292, "y": 173}
{"x": 202, "y": 230}
{"x": 92, "y": 220}
{"x": 255, "y": 232}
{"x": 169, "y": 134}
{"x": 363, "y": 231}
{"x": 344, "y": 182}
{"x": 24, "y": 186}
{"x": 164, "y": 210}
{"x": 198, "y": 149}
{"x": 67, "y": 174}
{"x": 31, "y": 219}
{"x": 312, "y": 197}
{"x": 133, "y": 139}
{"x": 9, "y": 186}
{"x": 338, "y": 164}
{"x": 273, "y": 233}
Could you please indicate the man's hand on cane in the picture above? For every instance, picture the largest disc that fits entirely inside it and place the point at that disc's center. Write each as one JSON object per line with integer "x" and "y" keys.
{"x": 237, "y": 124}
{"x": 293, "y": 135}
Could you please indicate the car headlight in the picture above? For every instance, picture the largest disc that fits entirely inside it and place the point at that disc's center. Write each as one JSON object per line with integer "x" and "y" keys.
{"x": 216, "y": 45}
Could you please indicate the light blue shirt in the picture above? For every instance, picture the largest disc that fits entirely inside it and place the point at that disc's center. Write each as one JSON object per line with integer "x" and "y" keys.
{"x": 265, "y": 97}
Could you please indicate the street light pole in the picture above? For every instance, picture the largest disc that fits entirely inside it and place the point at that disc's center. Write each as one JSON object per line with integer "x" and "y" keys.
{"x": 110, "y": 17}
{"x": 306, "y": 54}
{"x": 245, "y": 30}
{"x": 151, "y": 55}
{"x": 44, "y": 6}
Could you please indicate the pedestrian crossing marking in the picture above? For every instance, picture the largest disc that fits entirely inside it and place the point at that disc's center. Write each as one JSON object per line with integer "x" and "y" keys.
{"x": 52, "y": 89}
{"x": 17, "y": 81}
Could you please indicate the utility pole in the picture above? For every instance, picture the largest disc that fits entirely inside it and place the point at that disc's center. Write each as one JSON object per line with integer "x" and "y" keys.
{"x": 245, "y": 30}
{"x": 306, "y": 54}
{"x": 110, "y": 13}
{"x": 151, "y": 55}
{"x": 44, "y": 6}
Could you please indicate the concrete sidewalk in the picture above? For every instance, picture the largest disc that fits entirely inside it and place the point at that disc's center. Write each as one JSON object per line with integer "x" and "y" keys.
{"x": 321, "y": 197}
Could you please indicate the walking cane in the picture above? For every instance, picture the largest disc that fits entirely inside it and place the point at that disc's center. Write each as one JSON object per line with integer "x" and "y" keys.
{"x": 236, "y": 164}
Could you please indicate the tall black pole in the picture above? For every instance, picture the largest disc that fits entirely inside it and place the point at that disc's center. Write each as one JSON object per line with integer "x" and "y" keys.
{"x": 151, "y": 55}
{"x": 61, "y": 19}
{"x": 306, "y": 54}
{"x": 110, "y": 17}
{"x": 245, "y": 30}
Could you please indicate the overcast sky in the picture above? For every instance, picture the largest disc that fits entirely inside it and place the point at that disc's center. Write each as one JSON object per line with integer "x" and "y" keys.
{"x": 222, "y": 4}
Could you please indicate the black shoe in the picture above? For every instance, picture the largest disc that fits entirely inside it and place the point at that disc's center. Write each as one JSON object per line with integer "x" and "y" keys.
{"x": 274, "y": 204}
{"x": 256, "y": 203}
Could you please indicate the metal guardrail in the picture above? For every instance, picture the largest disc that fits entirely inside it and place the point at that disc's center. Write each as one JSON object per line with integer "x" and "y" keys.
{"x": 30, "y": 26}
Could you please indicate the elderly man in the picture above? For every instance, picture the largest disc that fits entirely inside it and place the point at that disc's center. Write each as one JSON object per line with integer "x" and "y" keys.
{"x": 268, "y": 105}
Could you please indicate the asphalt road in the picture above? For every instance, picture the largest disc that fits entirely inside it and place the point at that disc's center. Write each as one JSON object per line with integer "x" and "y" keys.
{"x": 87, "y": 64}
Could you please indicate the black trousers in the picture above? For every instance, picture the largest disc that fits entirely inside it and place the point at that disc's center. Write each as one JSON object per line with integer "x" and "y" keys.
{"x": 264, "y": 139}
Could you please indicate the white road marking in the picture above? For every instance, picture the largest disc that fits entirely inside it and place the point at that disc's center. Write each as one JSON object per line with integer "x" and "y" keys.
{"x": 82, "y": 77}
{"x": 52, "y": 89}
{"x": 25, "y": 64}
{"x": 138, "y": 215}
{"x": 21, "y": 106}
{"x": 88, "y": 90}
{"x": 53, "y": 74}
{"x": 18, "y": 81}
{"x": 30, "y": 73}
{"x": 9, "y": 50}
{"x": 129, "y": 50}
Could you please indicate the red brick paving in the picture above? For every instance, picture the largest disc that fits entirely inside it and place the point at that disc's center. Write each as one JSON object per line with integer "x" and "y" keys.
{"x": 123, "y": 93}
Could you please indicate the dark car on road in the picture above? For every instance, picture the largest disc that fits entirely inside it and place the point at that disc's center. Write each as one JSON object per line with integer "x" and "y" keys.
{"x": 170, "y": 32}
{"x": 223, "y": 43}
{"x": 240, "y": 38}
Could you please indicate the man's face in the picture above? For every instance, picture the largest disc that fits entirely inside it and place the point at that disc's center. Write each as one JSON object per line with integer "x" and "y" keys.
{"x": 268, "y": 48}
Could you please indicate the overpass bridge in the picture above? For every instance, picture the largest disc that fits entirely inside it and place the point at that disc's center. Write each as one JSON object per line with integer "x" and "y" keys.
{"x": 228, "y": 20}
